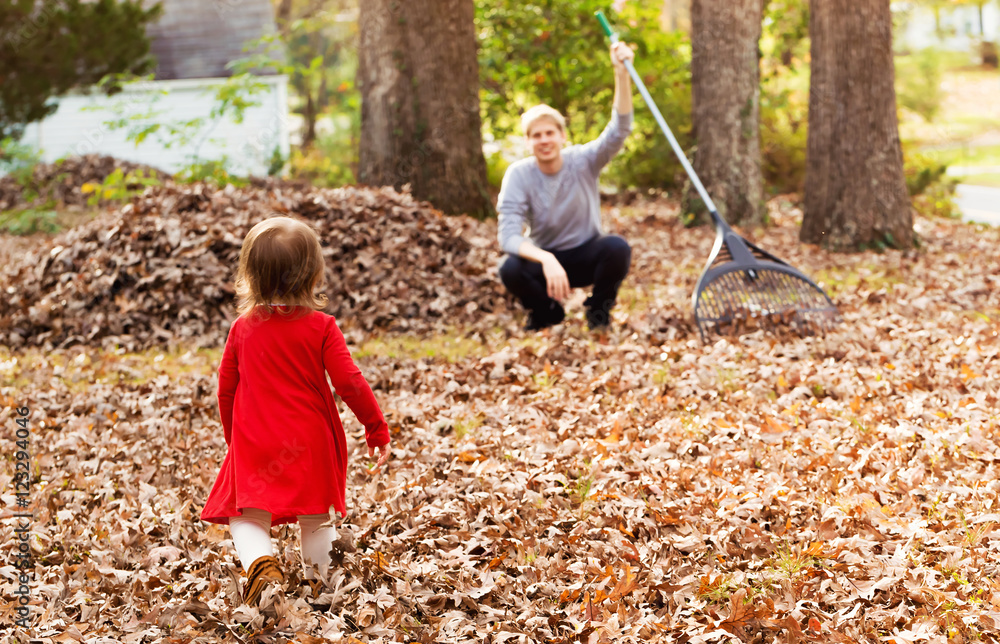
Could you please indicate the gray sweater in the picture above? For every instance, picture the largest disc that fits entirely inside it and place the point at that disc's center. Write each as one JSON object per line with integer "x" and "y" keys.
{"x": 562, "y": 210}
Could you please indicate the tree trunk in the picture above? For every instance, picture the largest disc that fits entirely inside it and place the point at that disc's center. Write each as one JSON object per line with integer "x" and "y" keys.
{"x": 725, "y": 97}
{"x": 855, "y": 191}
{"x": 283, "y": 14}
{"x": 420, "y": 123}
{"x": 309, "y": 116}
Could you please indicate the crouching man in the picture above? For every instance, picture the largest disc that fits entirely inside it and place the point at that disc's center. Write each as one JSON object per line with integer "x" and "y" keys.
{"x": 555, "y": 193}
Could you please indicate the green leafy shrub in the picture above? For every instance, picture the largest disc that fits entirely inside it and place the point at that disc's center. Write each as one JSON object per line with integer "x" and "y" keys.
{"x": 784, "y": 136}
{"x": 276, "y": 163}
{"x": 118, "y": 187}
{"x": 332, "y": 159}
{"x": 922, "y": 171}
{"x": 18, "y": 160}
{"x": 932, "y": 191}
{"x": 496, "y": 166}
{"x": 319, "y": 168}
{"x": 784, "y": 95}
{"x": 938, "y": 200}
{"x": 918, "y": 83}
{"x": 214, "y": 172}
{"x": 28, "y": 221}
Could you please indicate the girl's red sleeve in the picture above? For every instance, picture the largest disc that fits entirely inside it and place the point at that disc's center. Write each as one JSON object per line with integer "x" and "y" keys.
{"x": 352, "y": 386}
{"x": 229, "y": 377}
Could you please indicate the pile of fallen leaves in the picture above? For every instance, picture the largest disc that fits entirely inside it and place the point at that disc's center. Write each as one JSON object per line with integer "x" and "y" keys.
{"x": 566, "y": 487}
{"x": 160, "y": 270}
{"x": 63, "y": 182}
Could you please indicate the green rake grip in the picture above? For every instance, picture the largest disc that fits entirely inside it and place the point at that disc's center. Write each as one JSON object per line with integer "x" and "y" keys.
{"x": 605, "y": 24}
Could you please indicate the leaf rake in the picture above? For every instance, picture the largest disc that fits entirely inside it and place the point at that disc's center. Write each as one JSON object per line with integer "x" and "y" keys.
{"x": 743, "y": 288}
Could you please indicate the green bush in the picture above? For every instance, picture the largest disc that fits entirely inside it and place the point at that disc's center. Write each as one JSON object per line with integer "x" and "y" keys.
{"x": 932, "y": 191}
{"x": 18, "y": 161}
{"x": 922, "y": 171}
{"x": 784, "y": 95}
{"x": 214, "y": 172}
{"x": 332, "y": 160}
{"x": 496, "y": 166}
{"x": 320, "y": 169}
{"x": 918, "y": 83}
{"x": 29, "y": 221}
{"x": 118, "y": 187}
{"x": 276, "y": 163}
{"x": 784, "y": 134}
{"x": 938, "y": 200}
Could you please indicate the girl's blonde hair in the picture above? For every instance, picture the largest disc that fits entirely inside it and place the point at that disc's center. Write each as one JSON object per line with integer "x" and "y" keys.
{"x": 280, "y": 263}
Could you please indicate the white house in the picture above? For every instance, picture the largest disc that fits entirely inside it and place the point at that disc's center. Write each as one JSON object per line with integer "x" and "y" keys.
{"x": 193, "y": 42}
{"x": 959, "y": 28}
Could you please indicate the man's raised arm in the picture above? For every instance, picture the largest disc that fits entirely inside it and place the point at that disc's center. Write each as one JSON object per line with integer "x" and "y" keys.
{"x": 611, "y": 140}
{"x": 620, "y": 52}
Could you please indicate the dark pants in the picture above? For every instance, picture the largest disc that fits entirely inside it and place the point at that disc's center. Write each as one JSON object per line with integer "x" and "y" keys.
{"x": 603, "y": 261}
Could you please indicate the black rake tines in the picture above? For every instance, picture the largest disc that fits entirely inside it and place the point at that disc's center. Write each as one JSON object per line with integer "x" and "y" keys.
{"x": 745, "y": 288}
{"x": 732, "y": 300}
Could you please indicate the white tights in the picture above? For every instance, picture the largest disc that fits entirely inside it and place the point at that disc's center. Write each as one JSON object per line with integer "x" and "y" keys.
{"x": 252, "y": 537}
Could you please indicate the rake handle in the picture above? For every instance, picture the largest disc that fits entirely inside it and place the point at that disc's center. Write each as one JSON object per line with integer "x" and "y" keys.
{"x": 662, "y": 122}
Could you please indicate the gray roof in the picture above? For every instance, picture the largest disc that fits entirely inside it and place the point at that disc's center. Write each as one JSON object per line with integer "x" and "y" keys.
{"x": 197, "y": 38}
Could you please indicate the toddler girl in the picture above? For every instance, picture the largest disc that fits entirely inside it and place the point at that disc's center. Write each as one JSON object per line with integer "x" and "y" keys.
{"x": 287, "y": 456}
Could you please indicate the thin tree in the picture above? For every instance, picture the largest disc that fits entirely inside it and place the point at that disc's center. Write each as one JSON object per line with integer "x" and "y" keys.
{"x": 319, "y": 37}
{"x": 420, "y": 122}
{"x": 725, "y": 94}
{"x": 855, "y": 190}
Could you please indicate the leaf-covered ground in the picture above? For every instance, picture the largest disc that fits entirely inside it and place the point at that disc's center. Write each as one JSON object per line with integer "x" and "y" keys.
{"x": 558, "y": 487}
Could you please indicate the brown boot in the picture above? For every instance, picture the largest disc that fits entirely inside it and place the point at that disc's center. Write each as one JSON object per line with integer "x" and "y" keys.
{"x": 263, "y": 570}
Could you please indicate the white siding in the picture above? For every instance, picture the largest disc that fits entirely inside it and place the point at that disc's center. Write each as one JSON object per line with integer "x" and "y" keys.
{"x": 959, "y": 26}
{"x": 77, "y": 128}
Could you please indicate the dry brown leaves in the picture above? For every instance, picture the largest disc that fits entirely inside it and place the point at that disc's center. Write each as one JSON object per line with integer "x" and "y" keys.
{"x": 63, "y": 182}
{"x": 564, "y": 487}
{"x": 160, "y": 270}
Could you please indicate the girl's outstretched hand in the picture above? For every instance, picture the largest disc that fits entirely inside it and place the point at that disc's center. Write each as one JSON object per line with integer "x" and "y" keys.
{"x": 383, "y": 457}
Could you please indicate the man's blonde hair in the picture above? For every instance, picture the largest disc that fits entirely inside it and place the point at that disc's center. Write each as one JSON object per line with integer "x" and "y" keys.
{"x": 540, "y": 112}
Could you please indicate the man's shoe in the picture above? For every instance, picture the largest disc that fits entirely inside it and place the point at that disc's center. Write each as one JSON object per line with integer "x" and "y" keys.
{"x": 542, "y": 319}
{"x": 598, "y": 319}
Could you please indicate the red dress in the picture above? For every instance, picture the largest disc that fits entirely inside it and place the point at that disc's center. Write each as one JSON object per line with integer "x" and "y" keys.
{"x": 287, "y": 449}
